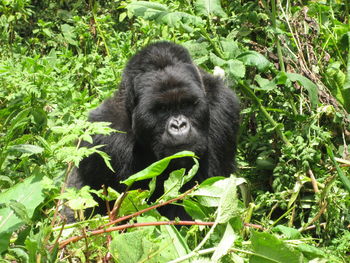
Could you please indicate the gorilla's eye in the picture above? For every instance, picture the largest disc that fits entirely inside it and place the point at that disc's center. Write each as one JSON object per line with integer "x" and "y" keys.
{"x": 161, "y": 108}
{"x": 188, "y": 104}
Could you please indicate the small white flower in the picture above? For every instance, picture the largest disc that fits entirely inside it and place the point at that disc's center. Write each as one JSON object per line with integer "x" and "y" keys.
{"x": 219, "y": 72}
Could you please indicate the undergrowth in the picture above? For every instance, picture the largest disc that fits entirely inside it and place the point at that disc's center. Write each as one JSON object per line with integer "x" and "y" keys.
{"x": 289, "y": 63}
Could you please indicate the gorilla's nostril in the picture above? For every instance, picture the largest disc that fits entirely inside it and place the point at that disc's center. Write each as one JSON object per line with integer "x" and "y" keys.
{"x": 174, "y": 126}
{"x": 183, "y": 125}
{"x": 178, "y": 126}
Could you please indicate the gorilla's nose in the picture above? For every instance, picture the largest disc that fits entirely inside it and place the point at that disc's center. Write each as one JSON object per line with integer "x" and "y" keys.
{"x": 178, "y": 126}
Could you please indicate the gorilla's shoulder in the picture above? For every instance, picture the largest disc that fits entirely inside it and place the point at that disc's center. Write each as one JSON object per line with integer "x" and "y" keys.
{"x": 112, "y": 110}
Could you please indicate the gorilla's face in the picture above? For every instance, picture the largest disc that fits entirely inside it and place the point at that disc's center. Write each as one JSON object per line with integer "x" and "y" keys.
{"x": 171, "y": 113}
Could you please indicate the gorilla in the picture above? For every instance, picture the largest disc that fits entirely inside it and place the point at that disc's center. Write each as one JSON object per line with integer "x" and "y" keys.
{"x": 164, "y": 104}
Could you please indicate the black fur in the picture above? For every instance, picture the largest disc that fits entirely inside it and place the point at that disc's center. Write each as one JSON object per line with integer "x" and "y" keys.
{"x": 164, "y": 104}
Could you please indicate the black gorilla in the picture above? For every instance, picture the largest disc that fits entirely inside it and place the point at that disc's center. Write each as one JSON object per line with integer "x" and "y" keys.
{"x": 165, "y": 104}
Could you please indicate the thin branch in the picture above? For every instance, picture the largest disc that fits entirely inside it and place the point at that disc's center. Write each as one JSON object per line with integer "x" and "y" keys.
{"x": 64, "y": 243}
{"x": 120, "y": 219}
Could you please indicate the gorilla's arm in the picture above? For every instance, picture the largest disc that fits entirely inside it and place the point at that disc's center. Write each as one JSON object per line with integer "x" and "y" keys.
{"x": 224, "y": 123}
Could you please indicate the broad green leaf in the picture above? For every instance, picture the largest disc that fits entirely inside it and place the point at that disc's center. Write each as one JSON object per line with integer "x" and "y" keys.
{"x": 265, "y": 84}
{"x": 29, "y": 194}
{"x": 132, "y": 247}
{"x": 156, "y": 168}
{"x": 230, "y": 48}
{"x": 311, "y": 251}
{"x": 177, "y": 179}
{"x": 27, "y": 148}
{"x": 173, "y": 184}
{"x": 195, "y": 210}
{"x": 148, "y": 244}
{"x": 79, "y": 199}
{"x": 225, "y": 243}
{"x": 147, "y": 10}
{"x": 216, "y": 60}
{"x": 269, "y": 249}
{"x": 209, "y": 7}
{"x": 178, "y": 242}
{"x": 288, "y": 232}
{"x": 161, "y": 14}
{"x": 69, "y": 34}
{"x": 255, "y": 59}
{"x": 212, "y": 190}
{"x": 173, "y": 19}
{"x": 228, "y": 202}
{"x": 308, "y": 85}
{"x": 236, "y": 68}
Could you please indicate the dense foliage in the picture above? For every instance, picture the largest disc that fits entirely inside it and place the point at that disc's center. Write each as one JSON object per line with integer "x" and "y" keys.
{"x": 289, "y": 63}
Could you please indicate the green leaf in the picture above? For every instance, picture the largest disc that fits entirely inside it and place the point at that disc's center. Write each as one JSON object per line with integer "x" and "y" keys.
{"x": 288, "y": 232}
{"x": 347, "y": 81}
{"x": 345, "y": 180}
{"x": 236, "y": 68}
{"x": 225, "y": 244}
{"x": 177, "y": 179}
{"x": 27, "y": 148}
{"x": 255, "y": 59}
{"x": 308, "y": 85}
{"x": 265, "y": 84}
{"x": 269, "y": 249}
{"x": 173, "y": 184}
{"x": 156, "y": 168}
{"x": 132, "y": 247}
{"x": 79, "y": 199}
{"x": 209, "y": 7}
{"x": 216, "y": 60}
{"x": 230, "y": 48}
{"x": 173, "y": 19}
{"x": 20, "y": 210}
{"x": 161, "y": 14}
{"x": 195, "y": 210}
{"x": 149, "y": 244}
{"x": 69, "y": 34}
{"x": 178, "y": 242}
{"x": 29, "y": 194}
{"x": 310, "y": 251}
{"x": 228, "y": 202}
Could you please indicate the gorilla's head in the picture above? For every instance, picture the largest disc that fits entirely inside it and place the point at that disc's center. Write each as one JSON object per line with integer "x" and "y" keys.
{"x": 170, "y": 112}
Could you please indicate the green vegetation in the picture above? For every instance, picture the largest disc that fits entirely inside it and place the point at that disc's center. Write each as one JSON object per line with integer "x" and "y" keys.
{"x": 288, "y": 61}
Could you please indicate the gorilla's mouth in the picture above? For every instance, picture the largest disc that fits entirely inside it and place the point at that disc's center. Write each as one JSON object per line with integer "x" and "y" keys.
{"x": 177, "y": 164}
{"x": 166, "y": 150}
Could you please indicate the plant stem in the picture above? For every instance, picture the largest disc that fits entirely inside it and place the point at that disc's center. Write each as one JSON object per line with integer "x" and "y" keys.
{"x": 278, "y": 44}
{"x": 276, "y": 125}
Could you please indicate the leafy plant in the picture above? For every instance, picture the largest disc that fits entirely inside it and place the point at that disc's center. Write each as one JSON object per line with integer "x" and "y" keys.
{"x": 287, "y": 60}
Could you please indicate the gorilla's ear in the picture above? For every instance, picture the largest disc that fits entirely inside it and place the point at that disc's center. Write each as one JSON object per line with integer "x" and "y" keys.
{"x": 130, "y": 94}
{"x": 195, "y": 71}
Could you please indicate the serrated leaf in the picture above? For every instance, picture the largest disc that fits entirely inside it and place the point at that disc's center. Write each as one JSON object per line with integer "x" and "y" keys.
{"x": 288, "y": 232}
{"x": 216, "y": 60}
{"x": 161, "y": 14}
{"x": 209, "y": 7}
{"x": 255, "y": 59}
{"x": 265, "y": 84}
{"x": 230, "y": 48}
{"x": 269, "y": 249}
{"x": 19, "y": 210}
{"x": 228, "y": 202}
{"x": 225, "y": 244}
{"x": 236, "y": 68}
